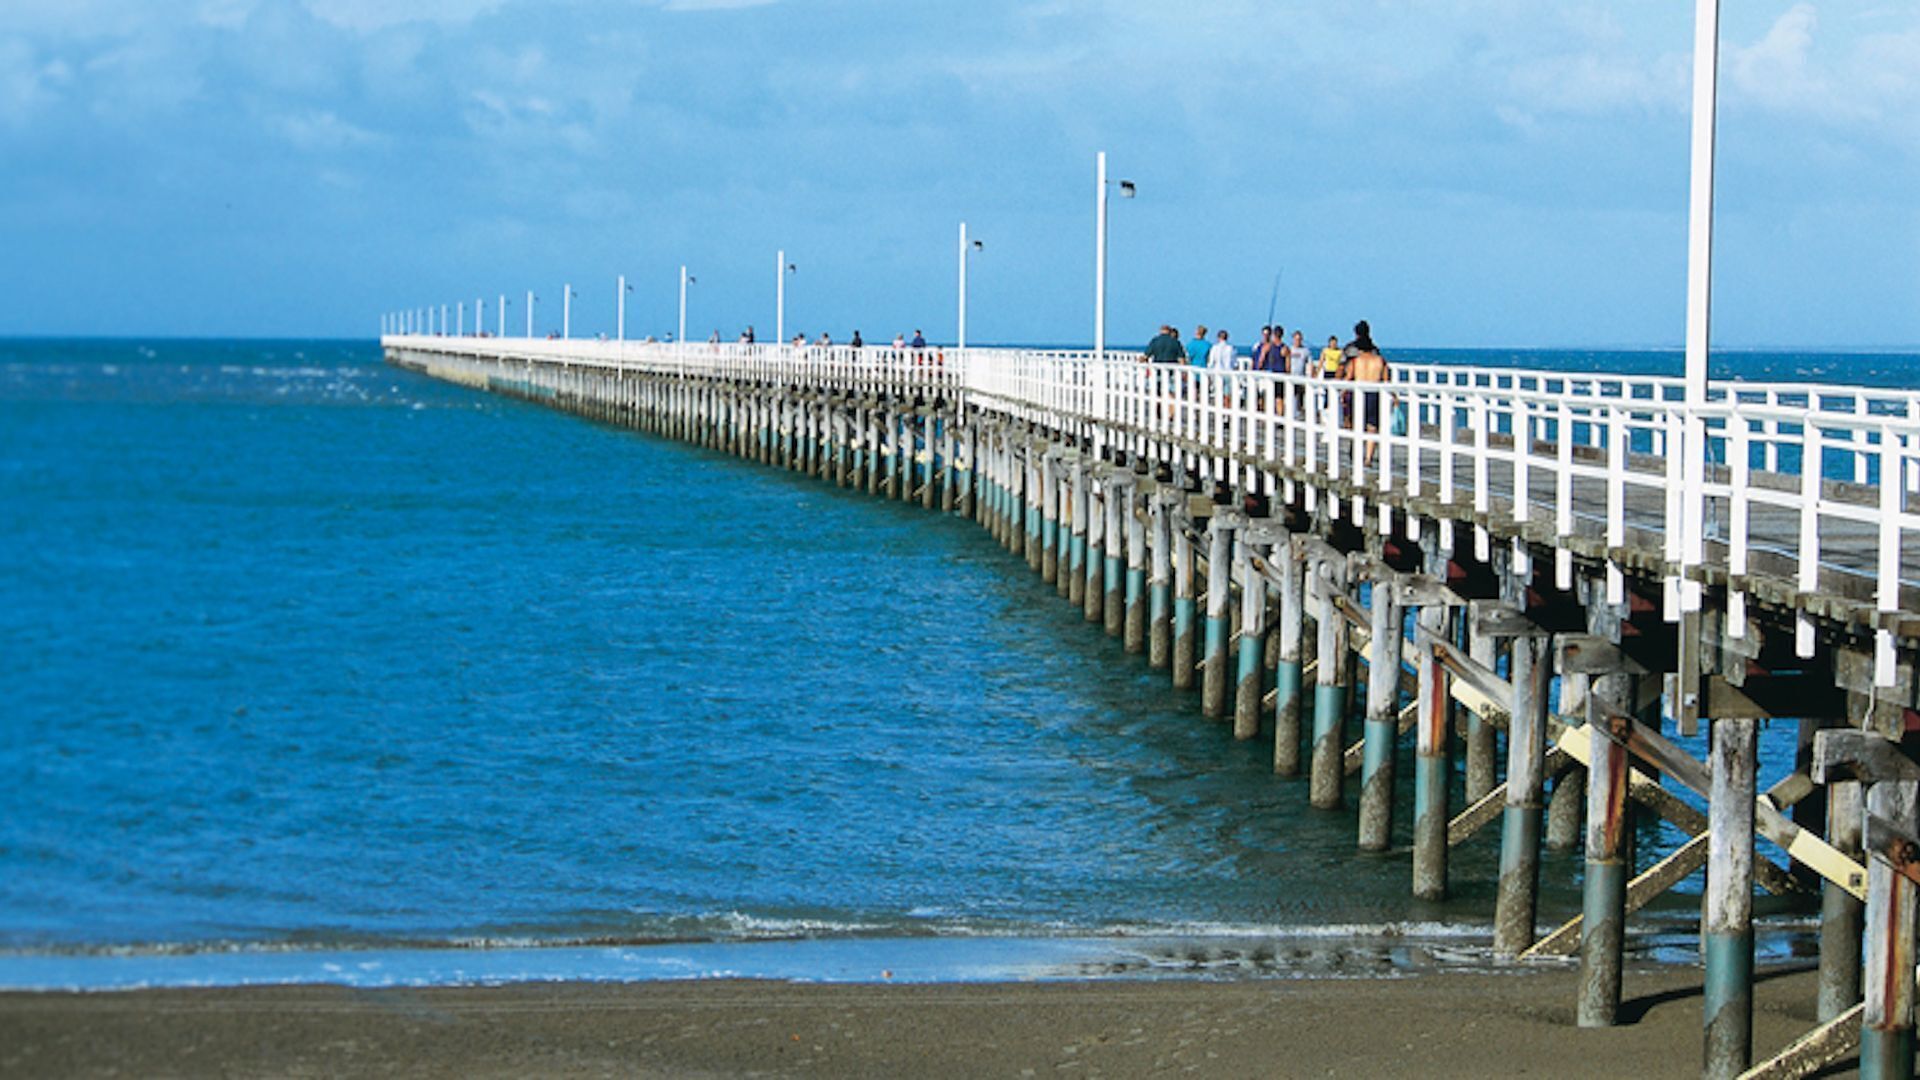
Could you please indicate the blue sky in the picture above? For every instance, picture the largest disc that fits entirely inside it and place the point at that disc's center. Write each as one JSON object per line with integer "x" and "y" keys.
{"x": 1473, "y": 172}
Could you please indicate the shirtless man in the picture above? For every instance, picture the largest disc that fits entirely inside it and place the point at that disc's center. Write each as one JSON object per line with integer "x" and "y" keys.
{"x": 1368, "y": 366}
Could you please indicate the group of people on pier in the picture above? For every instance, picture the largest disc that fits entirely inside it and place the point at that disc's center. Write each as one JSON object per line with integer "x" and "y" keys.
{"x": 1273, "y": 354}
{"x": 1359, "y": 360}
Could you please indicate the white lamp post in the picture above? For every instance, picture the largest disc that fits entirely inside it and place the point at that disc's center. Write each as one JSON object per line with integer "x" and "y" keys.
{"x": 503, "y": 314}
{"x": 566, "y": 312}
{"x": 684, "y": 282}
{"x": 460, "y": 325}
{"x": 781, "y": 268}
{"x": 1706, "y": 63}
{"x": 620, "y": 302}
{"x": 965, "y": 247}
{"x": 530, "y": 299}
{"x": 1100, "y": 254}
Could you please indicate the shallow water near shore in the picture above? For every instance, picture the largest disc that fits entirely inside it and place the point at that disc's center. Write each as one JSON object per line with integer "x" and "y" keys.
{"x": 316, "y": 661}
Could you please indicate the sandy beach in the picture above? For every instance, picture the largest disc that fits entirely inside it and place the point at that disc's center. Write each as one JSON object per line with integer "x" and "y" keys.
{"x": 1427, "y": 1025}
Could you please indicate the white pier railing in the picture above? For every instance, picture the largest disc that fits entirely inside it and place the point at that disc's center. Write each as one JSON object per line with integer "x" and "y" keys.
{"x": 1814, "y": 485}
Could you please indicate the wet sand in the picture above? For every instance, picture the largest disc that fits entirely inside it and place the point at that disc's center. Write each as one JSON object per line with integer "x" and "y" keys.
{"x": 1427, "y": 1025}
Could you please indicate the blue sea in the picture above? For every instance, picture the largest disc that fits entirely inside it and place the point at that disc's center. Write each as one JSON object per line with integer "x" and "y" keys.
{"x": 319, "y": 670}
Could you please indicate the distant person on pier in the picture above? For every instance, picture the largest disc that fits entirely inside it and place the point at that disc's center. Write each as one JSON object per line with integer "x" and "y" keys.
{"x": 1198, "y": 347}
{"x": 1272, "y": 354}
{"x": 799, "y": 341}
{"x": 856, "y": 342}
{"x": 826, "y": 340}
{"x": 1222, "y": 356}
{"x": 747, "y": 338}
{"x": 899, "y": 341}
{"x": 919, "y": 340}
{"x": 1331, "y": 359}
{"x": 1297, "y": 355}
{"x": 1368, "y": 366}
{"x": 1165, "y": 347}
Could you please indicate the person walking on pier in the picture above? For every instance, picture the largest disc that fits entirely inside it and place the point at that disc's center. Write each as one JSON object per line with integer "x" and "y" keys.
{"x": 1165, "y": 347}
{"x": 856, "y": 342}
{"x": 1297, "y": 355}
{"x": 1197, "y": 348}
{"x": 1331, "y": 359}
{"x": 1368, "y": 366}
{"x": 1222, "y": 356}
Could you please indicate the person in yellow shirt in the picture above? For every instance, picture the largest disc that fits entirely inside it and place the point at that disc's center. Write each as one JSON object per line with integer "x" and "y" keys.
{"x": 1332, "y": 358}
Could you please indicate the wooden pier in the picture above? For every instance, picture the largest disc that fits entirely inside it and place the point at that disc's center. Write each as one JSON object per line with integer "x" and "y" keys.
{"x": 1553, "y": 592}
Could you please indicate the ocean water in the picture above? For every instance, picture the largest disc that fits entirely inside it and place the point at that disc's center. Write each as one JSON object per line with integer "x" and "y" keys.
{"x": 311, "y": 660}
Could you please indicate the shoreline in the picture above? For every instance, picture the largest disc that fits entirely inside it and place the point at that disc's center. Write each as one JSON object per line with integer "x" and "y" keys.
{"x": 1431, "y": 1023}
{"x": 1343, "y": 952}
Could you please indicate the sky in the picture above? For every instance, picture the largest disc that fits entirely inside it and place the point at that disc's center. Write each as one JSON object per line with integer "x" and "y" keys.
{"x": 1459, "y": 172}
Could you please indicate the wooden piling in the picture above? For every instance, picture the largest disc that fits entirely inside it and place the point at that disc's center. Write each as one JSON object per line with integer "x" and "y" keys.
{"x": 1213, "y": 660}
{"x": 1287, "y": 559}
{"x": 1114, "y": 605}
{"x": 1430, "y": 767}
{"x": 1050, "y": 519}
{"x": 1481, "y": 732}
{"x": 1516, "y": 901}
{"x": 1159, "y": 582}
{"x": 1251, "y": 654}
{"x": 928, "y": 489}
{"x": 1136, "y": 590}
{"x": 1093, "y": 594}
{"x": 1184, "y": 606}
{"x": 1326, "y": 783}
{"x": 1075, "y": 586}
{"x": 1886, "y": 1032}
{"x": 1604, "y": 895}
{"x": 1842, "y": 915}
{"x": 1381, "y": 729}
{"x": 1727, "y": 909}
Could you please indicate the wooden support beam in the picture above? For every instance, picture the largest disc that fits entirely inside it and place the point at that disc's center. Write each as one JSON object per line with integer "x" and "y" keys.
{"x": 1650, "y": 883}
{"x": 1804, "y": 696}
{"x": 1815, "y": 1051}
{"x": 1578, "y": 743}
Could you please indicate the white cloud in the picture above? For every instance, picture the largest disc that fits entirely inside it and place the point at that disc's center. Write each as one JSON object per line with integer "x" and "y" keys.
{"x": 28, "y": 83}
{"x": 1867, "y": 84}
{"x": 320, "y": 130}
